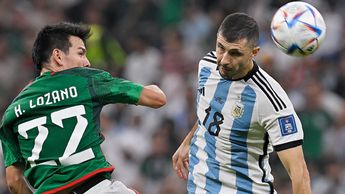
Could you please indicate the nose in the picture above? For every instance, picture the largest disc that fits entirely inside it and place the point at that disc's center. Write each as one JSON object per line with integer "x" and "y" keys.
{"x": 87, "y": 63}
{"x": 225, "y": 59}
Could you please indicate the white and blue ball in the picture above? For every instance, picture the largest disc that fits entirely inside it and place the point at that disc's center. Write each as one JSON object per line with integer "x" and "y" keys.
{"x": 298, "y": 28}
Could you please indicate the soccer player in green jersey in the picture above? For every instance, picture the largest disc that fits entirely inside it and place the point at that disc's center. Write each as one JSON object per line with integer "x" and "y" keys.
{"x": 50, "y": 133}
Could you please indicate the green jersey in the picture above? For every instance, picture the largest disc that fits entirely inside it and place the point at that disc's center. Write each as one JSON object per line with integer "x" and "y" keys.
{"x": 52, "y": 126}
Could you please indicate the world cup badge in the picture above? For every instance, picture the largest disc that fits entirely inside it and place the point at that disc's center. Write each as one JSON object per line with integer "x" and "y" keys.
{"x": 238, "y": 110}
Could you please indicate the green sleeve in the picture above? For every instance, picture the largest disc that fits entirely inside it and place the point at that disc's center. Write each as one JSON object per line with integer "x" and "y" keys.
{"x": 10, "y": 147}
{"x": 109, "y": 90}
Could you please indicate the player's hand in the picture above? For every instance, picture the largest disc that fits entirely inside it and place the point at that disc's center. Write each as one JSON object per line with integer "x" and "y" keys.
{"x": 181, "y": 162}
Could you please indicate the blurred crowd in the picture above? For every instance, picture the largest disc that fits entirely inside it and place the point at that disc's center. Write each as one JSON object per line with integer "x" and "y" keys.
{"x": 161, "y": 42}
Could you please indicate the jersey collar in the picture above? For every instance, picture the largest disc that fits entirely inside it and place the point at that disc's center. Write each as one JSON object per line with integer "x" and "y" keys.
{"x": 251, "y": 72}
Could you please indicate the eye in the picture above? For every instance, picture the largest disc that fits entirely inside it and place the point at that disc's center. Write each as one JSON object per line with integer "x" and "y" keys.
{"x": 235, "y": 53}
{"x": 220, "y": 46}
{"x": 81, "y": 53}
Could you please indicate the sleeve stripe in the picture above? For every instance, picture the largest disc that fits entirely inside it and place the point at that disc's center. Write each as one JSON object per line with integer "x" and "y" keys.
{"x": 211, "y": 55}
{"x": 269, "y": 92}
{"x": 209, "y": 60}
{"x": 272, "y": 89}
{"x": 268, "y": 96}
{"x": 288, "y": 145}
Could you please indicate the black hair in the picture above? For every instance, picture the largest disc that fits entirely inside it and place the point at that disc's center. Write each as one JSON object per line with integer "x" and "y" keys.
{"x": 237, "y": 26}
{"x": 56, "y": 36}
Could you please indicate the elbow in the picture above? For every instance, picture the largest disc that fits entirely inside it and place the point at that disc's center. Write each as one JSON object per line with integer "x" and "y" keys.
{"x": 153, "y": 97}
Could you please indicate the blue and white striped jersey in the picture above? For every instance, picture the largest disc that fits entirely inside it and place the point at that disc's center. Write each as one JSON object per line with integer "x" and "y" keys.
{"x": 239, "y": 123}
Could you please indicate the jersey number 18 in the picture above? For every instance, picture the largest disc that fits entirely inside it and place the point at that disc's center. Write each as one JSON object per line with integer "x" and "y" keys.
{"x": 213, "y": 127}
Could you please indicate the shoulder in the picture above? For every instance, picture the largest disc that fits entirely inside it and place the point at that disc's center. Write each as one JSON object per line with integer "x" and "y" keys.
{"x": 209, "y": 60}
{"x": 208, "y": 63}
{"x": 270, "y": 90}
{"x": 84, "y": 71}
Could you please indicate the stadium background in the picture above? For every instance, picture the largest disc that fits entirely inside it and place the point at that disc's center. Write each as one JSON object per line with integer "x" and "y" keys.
{"x": 161, "y": 41}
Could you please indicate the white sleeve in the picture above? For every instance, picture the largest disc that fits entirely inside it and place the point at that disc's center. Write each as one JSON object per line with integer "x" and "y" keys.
{"x": 283, "y": 126}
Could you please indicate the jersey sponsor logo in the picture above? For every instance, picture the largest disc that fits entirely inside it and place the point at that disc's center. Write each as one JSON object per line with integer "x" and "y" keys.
{"x": 287, "y": 125}
{"x": 220, "y": 100}
{"x": 237, "y": 110}
{"x": 202, "y": 91}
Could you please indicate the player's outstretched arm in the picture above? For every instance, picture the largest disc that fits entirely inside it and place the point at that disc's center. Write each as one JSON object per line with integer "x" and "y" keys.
{"x": 180, "y": 158}
{"x": 15, "y": 180}
{"x": 294, "y": 163}
{"x": 152, "y": 96}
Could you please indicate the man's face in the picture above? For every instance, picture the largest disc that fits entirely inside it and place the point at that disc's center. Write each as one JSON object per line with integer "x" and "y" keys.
{"x": 234, "y": 59}
{"x": 76, "y": 56}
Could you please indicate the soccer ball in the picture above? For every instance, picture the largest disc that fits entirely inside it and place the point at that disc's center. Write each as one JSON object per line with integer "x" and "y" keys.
{"x": 298, "y": 29}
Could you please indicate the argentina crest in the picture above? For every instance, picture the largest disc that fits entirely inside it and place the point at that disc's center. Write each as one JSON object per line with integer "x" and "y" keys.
{"x": 237, "y": 110}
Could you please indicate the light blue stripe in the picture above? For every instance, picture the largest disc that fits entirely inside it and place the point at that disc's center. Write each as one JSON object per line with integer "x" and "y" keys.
{"x": 238, "y": 139}
{"x": 193, "y": 160}
{"x": 213, "y": 185}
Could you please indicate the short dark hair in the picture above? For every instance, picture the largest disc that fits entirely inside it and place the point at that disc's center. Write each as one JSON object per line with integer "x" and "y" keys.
{"x": 56, "y": 36}
{"x": 237, "y": 26}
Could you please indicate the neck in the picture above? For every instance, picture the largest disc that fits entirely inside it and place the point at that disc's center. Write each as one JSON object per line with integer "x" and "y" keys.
{"x": 44, "y": 70}
{"x": 50, "y": 67}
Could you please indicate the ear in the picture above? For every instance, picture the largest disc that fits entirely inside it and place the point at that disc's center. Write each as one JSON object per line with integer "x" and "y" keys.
{"x": 255, "y": 51}
{"x": 57, "y": 57}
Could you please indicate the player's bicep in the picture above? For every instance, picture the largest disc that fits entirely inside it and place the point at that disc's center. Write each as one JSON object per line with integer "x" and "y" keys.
{"x": 107, "y": 89}
{"x": 292, "y": 159}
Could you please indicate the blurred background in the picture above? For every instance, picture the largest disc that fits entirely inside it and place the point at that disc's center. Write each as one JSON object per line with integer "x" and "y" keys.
{"x": 161, "y": 42}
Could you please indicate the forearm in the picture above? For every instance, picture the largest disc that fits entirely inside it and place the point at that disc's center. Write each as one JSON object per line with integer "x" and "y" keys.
{"x": 301, "y": 182}
{"x": 152, "y": 96}
{"x": 15, "y": 180}
{"x": 294, "y": 163}
{"x": 20, "y": 187}
{"x": 189, "y": 136}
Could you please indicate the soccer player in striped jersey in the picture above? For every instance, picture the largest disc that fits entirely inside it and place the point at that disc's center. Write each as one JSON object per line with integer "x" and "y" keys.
{"x": 50, "y": 132}
{"x": 243, "y": 115}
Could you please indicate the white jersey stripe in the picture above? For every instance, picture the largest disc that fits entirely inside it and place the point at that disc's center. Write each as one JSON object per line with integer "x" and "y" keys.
{"x": 239, "y": 123}
{"x": 204, "y": 74}
{"x": 238, "y": 139}
{"x": 195, "y": 161}
{"x": 212, "y": 124}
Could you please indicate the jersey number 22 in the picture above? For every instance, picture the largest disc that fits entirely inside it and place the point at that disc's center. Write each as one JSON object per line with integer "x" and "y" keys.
{"x": 69, "y": 156}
